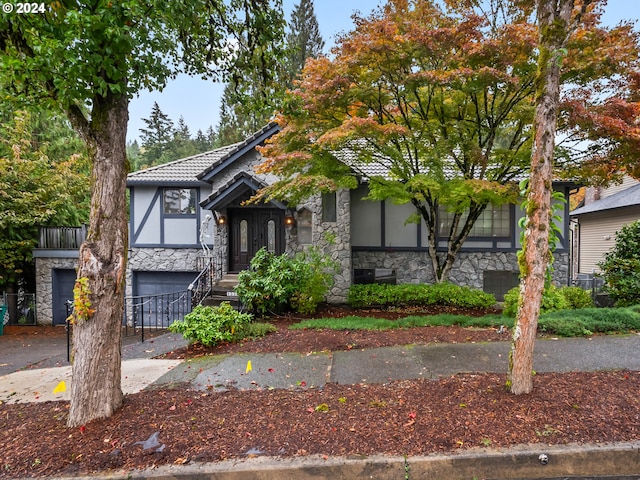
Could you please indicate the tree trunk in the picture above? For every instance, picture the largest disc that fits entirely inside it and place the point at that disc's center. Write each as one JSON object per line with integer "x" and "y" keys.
{"x": 96, "y": 371}
{"x": 535, "y": 255}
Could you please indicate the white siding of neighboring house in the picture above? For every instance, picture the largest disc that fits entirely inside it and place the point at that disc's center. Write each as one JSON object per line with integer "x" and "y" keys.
{"x": 627, "y": 182}
{"x": 598, "y": 235}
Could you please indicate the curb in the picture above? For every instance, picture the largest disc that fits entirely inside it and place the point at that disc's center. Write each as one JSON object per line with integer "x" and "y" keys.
{"x": 615, "y": 461}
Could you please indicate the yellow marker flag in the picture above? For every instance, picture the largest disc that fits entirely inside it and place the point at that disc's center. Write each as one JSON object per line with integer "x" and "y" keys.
{"x": 248, "y": 367}
{"x": 62, "y": 387}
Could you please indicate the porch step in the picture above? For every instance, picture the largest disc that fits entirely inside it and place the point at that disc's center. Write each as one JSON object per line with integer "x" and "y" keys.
{"x": 215, "y": 300}
{"x": 228, "y": 280}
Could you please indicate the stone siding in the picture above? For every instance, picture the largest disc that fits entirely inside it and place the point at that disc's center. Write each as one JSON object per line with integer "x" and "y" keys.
{"x": 332, "y": 238}
{"x": 415, "y": 267}
{"x": 44, "y": 283}
{"x": 162, "y": 260}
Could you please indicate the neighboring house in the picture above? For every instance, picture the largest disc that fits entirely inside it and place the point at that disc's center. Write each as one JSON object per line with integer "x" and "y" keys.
{"x": 603, "y": 213}
{"x": 187, "y": 210}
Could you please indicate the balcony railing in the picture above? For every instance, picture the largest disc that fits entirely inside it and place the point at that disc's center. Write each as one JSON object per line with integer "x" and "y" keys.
{"x": 62, "y": 238}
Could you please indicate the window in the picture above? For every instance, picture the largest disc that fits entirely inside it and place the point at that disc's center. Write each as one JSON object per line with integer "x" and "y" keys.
{"x": 271, "y": 236}
{"x": 180, "y": 201}
{"x": 493, "y": 222}
{"x": 244, "y": 236}
{"x": 304, "y": 227}
{"x": 329, "y": 211}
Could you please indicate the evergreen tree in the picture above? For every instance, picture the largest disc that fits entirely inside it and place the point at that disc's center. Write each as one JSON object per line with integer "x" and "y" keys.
{"x": 157, "y": 137}
{"x": 182, "y": 144}
{"x": 134, "y": 155}
{"x": 236, "y": 122}
{"x": 303, "y": 40}
{"x": 244, "y": 111}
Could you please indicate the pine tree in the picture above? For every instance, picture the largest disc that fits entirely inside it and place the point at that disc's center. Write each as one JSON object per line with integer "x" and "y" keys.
{"x": 243, "y": 112}
{"x": 157, "y": 137}
{"x": 182, "y": 145}
{"x": 303, "y": 40}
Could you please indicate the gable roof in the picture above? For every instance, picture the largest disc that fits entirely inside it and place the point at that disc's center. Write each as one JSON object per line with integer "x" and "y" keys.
{"x": 626, "y": 198}
{"x": 195, "y": 170}
{"x": 235, "y": 188}
{"x": 258, "y": 138}
{"x": 180, "y": 172}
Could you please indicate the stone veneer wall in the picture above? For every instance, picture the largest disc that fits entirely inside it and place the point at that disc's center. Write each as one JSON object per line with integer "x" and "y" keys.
{"x": 415, "y": 267}
{"x": 332, "y": 238}
{"x": 162, "y": 260}
{"x": 44, "y": 283}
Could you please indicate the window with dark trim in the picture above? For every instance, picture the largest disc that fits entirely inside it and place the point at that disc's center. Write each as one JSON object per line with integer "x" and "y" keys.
{"x": 179, "y": 201}
{"x": 493, "y": 222}
{"x": 329, "y": 207}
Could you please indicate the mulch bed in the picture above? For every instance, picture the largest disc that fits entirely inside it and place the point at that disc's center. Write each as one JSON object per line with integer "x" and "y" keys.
{"x": 410, "y": 418}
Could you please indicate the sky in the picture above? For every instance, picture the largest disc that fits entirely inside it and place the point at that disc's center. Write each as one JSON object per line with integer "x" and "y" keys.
{"x": 198, "y": 101}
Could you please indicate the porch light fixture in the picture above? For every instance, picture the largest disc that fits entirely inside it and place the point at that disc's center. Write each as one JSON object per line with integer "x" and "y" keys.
{"x": 289, "y": 221}
{"x": 222, "y": 220}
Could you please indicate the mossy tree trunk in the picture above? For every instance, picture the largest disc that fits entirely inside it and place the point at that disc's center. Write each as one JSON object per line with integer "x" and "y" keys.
{"x": 556, "y": 20}
{"x": 96, "y": 365}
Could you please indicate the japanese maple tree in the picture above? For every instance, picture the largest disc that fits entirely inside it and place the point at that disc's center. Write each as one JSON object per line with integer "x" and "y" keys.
{"x": 432, "y": 105}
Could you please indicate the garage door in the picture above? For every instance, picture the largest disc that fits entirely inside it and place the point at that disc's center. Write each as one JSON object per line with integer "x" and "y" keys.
{"x": 63, "y": 281}
{"x": 160, "y": 298}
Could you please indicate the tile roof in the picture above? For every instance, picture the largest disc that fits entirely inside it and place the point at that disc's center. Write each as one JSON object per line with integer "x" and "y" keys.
{"x": 240, "y": 149}
{"x": 626, "y": 198}
{"x": 180, "y": 172}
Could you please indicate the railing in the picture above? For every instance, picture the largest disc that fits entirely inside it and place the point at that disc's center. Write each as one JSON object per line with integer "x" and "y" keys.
{"x": 596, "y": 285}
{"x": 152, "y": 313}
{"x": 62, "y": 238}
{"x": 203, "y": 284}
{"x": 21, "y": 308}
{"x": 146, "y": 314}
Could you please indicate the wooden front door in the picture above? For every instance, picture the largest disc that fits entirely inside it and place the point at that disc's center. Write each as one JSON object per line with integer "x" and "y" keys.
{"x": 252, "y": 229}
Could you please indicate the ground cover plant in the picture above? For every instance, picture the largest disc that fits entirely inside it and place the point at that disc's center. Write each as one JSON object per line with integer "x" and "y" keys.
{"x": 411, "y": 321}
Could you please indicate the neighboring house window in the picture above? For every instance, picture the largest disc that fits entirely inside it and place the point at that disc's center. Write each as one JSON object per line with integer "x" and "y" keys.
{"x": 329, "y": 210}
{"x": 180, "y": 201}
{"x": 493, "y": 222}
{"x": 304, "y": 227}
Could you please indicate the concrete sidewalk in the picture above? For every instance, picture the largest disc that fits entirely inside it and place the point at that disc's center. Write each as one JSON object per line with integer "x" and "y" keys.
{"x": 290, "y": 370}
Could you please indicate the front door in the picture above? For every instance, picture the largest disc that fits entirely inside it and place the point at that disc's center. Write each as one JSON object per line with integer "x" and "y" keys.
{"x": 252, "y": 229}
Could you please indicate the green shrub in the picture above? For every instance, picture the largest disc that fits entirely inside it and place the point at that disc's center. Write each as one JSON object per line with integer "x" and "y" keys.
{"x": 552, "y": 300}
{"x": 621, "y": 266}
{"x": 253, "y": 330}
{"x": 577, "y": 297}
{"x": 211, "y": 325}
{"x": 274, "y": 282}
{"x": 418, "y": 294}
